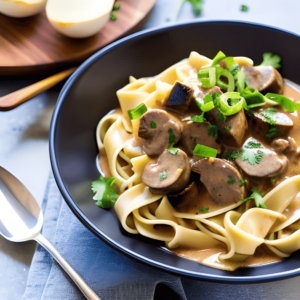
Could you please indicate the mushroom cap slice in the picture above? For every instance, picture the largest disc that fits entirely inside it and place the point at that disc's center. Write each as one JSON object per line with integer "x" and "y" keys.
{"x": 270, "y": 165}
{"x": 264, "y": 78}
{"x": 194, "y": 133}
{"x": 215, "y": 177}
{"x": 170, "y": 174}
{"x": 180, "y": 97}
{"x": 156, "y": 140}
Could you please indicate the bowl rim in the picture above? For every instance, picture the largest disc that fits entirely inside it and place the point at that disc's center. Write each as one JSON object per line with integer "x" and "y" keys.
{"x": 93, "y": 228}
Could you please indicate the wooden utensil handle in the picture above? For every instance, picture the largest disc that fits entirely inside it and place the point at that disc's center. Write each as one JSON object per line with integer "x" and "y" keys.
{"x": 18, "y": 97}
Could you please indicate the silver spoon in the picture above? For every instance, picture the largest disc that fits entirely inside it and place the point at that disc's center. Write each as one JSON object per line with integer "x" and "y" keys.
{"x": 21, "y": 219}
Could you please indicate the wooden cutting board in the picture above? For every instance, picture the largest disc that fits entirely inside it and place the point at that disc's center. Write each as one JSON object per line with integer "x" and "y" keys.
{"x": 32, "y": 45}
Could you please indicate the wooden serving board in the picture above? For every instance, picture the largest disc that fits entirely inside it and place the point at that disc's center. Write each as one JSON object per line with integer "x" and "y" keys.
{"x": 32, "y": 45}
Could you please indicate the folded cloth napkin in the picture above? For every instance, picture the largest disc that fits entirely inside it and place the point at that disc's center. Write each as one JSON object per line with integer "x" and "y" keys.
{"x": 112, "y": 275}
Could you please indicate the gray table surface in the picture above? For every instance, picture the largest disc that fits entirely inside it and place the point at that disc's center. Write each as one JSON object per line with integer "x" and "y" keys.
{"x": 24, "y": 143}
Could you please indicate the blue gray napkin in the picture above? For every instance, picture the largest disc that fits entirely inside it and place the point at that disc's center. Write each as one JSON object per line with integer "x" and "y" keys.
{"x": 112, "y": 275}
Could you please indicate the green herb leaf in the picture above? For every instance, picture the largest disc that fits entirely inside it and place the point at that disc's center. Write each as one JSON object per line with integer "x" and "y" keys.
{"x": 104, "y": 190}
{"x": 213, "y": 131}
{"x": 252, "y": 157}
{"x": 246, "y": 155}
{"x": 258, "y": 198}
{"x": 172, "y": 139}
{"x": 168, "y": 19}
{"x": 204, "y": 209}
{"x": 196, "y": 4}
{"x": 273, "y": 180}
{"x": 272, "y": 132}
{"x": 193, "y": 138}
{"x": 270, "y": 59}
{"x": 231, "y": 180}
{"x": 268, "y": 115}
{"x": 221, "y": 117}
{"x": 242, "y": 182}
{"x": 233, "y": 101}
{"x": 286, "y": 103}
{"x": 232, "y": 155}
{"x": 113, "y": 16}
{"x": 117, "y": 6}
{"x": 252, "y": 145}
{"x": 153, "y": 125}
{"x": 244, "y": 8}
{"x": 205, "y": 151}
{"x": 137, "y": 112}
{"x": 198, "y": 119}
{"x": 227, "y": 127}
{"x": 163, "y": 175}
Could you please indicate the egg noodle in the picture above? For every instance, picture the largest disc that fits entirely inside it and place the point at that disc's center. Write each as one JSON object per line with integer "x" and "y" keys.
{"x": 236, "y": 230}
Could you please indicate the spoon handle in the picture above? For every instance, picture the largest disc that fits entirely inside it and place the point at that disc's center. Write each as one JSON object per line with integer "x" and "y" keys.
{"x": 82, "y": 285}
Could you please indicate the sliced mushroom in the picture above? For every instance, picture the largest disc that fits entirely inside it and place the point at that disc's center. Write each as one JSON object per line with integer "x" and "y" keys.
{"x": 194, "y": 133}
{"x": 156, "y": 140}
{"x": 261, "y": 126}
{"x": 170, "y": 174}
{"x": 221, "y": 179}
{"x": 190, "y": 192}
{"x": 180, "y": 97}
{"x": 270, "y": 165}
{"x": 264, "y": 78}
{"x": 284, "y": 146}
{"x": 237, "y": 123}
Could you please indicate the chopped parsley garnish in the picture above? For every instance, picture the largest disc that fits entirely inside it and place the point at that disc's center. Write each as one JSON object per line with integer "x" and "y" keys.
{"x": 272, "y": 132}
{"x": 233, "y": 101}
{"x": 221, "y": 117}
{"x": 204, "y": 209}
{"x": 153, "y": 125}
{"x": 286, "y": 103}
{"x": 168, "y": 19}
{"x": 227, "y": 127}
{"x": 172, "y": 139}
{"x": 270, "y": 59}
{"x": 105, "y": 193}
{"x": 213, "y": 131}
{"x": 268, "y": 115}
{"x": 137, "y": 112}
{"x": 257, "y": 197}
{"x": 242, "y": 182}
{"x": 273, "y": 180}
{"x": 246, "y": 155}
{"x": 244, "y": 8}
{"x": 193, "y": 138}
{"x": 252, "y": 145}
{"x": 252, "y": 157}
{"x": 199, "y": 118}
{"x": 116, "y": 7}
{"x": 196, "y": 4}
{"x": 163, "y": 175}
{"x": 231, "y": 180}
{"x": 205, "y": 151}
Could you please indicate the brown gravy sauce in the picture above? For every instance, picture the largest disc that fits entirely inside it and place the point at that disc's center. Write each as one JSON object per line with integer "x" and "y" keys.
{"x": 262, "y": 255}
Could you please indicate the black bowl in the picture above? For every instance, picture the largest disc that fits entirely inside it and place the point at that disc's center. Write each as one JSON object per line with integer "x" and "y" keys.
{"x": 91, "y": 92}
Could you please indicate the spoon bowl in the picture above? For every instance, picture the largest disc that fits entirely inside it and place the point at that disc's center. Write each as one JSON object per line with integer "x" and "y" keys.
{"x": 21, "y": 219}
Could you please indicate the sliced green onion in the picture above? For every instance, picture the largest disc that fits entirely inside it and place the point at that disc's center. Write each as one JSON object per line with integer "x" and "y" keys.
{"x": 207, "y": 77}
{"x": 208, "y": 106}
{"x": 286, "y": 103}
{"x": 137, "y": 112}
{"x": 241, "y": 81}
{"x": 218, "y": 58}
{"x": 235, "y": 108}
{"x": 230, "y": 63}
{"x": 231, "y": 84}
{"x": 253, "y": 97}
{"x": 205, "y": 151}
